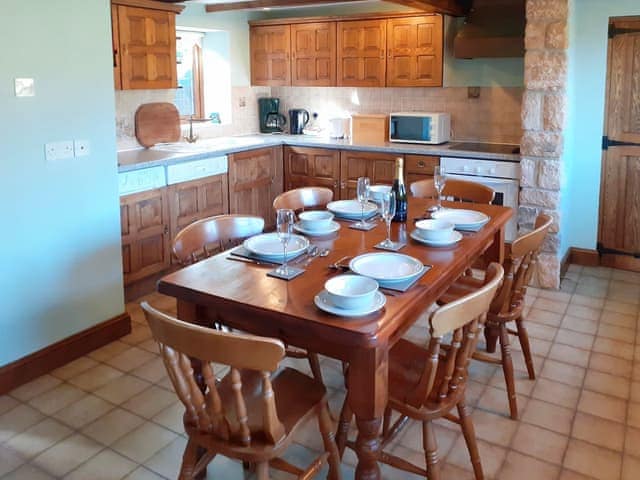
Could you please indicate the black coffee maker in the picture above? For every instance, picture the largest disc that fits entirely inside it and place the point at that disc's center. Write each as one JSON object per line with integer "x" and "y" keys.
{"x": 271, "y": 120}
{"x": 298, "y": 118}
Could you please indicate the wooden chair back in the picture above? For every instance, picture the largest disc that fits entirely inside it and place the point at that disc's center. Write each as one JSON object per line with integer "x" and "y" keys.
{"x": 179, "y": 341}
{"x": 466, "y": 191}
{"x": 306, "y": 197}
{"x": 464, "y": 319}
{"x": 205, "y": 237}
{"x": 519, "y": 267}
{"x": 423, "y": 188}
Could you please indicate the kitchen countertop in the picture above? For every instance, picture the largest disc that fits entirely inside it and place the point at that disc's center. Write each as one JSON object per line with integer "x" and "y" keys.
{"x": 138, "y": 158}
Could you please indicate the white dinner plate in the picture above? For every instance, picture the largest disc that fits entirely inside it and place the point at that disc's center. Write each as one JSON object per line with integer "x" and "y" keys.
{"x": 351, "y": 209}
{"x": 269, "y": 246}
{"x": 462, "y": 219}
{"x": 455, "y": 238}
{"x": 333, "y": 227}
{"x": 323, "y": 303}
{"x": 386, "y": 267}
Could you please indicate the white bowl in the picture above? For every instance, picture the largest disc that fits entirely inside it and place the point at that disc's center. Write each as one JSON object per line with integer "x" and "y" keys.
{"x": 435, "y": 230}
{"x": 315, "y": 220}
{"x": 351, "y": 291}
{"x": 376, "y": 191}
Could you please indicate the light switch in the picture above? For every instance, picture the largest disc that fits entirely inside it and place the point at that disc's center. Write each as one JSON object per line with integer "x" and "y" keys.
{"x": 81, "y": 148}
{"x": 25, "y": 87}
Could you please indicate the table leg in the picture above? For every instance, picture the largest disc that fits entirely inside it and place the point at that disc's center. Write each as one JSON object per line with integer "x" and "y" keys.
{"x": 368, "y": 375}
{"x": 495, "y": 252}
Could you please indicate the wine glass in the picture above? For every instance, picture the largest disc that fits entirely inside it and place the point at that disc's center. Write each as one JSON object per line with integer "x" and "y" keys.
{"x": 439, "y": 180}
{"x": 362, "y": 191}
{"x": 388, "y": 210}
{"x": 284, "y": 224}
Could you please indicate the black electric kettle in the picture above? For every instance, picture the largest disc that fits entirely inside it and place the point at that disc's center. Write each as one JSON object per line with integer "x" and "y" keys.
{"x": 298, "y": 118}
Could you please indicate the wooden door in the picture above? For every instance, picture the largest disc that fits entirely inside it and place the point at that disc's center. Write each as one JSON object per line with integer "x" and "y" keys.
{"x": 115, "y": 47}
{"x": 379, "y": 167}
{"x": 312, "y": 167}
{"x": 255, "y": 180}
{"x": 313, "y": 54}
{"x": 147, "y": 48}
{"x": 270, "y": 48}
{"x": 144, "y": 223}
{"x": 619, "y": 230}
{"x": 414, "y": 51}
{"x": 197, "y": 199}
{"x": 361, "y": 53}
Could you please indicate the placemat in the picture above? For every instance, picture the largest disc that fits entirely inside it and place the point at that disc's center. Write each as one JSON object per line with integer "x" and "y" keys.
{"x": 240, "y": 251}
{"x": 293, "y": 272}
{"x": 407, "y": 284}
{"x": 396, "y": 246}
{"x": 366, "y": 228}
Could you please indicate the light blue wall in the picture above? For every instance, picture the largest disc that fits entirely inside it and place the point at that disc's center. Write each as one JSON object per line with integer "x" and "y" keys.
{"x": 61, "y": 264}
{"x": 588, "y": 25}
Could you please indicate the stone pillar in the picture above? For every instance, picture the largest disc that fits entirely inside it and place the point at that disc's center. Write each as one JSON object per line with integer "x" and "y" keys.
{"x": 543, "y": 119}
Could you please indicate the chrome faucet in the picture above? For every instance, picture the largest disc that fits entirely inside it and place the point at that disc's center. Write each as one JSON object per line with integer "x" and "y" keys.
{"x": 192, "y": 137}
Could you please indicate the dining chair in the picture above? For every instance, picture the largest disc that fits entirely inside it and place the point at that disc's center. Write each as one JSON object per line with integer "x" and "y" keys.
{"x": 508, "y": 305}
{"x": 208, "y": 236}
{"x": 466, "y": 191}
{"x": 423, "y": 188}
{"x": 427, "y": 382}
{"x": 306, "y": 197}
{"x": 252, "y": 414}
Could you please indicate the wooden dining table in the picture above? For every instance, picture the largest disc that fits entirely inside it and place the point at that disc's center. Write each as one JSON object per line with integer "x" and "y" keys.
{"x": 240, "y": 295}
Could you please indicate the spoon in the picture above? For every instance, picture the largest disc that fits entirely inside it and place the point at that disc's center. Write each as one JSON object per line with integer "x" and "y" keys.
{"x": 324, "y": 252}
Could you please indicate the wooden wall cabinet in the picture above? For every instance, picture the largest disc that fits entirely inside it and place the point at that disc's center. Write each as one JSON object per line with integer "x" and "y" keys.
{"x": 145, "y": 226}
{"x": 270, "y": 48}
{"x": 144, "y": 47}
{"x": 313, "y": 54}
{"x": 362, "y": 53}
{"x": 255, "y": 180}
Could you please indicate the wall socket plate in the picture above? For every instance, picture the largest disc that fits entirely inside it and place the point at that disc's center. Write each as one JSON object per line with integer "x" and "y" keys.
{"x": 81, "y": 148}
{"x": 25, "y": 87}
{"x": 58, "y": 150}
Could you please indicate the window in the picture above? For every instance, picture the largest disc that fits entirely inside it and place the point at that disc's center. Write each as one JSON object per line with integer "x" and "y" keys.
{"x": 189, "y": 96}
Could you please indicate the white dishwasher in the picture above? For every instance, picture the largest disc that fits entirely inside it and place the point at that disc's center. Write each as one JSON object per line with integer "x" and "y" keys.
{"x": 206, "y": 167}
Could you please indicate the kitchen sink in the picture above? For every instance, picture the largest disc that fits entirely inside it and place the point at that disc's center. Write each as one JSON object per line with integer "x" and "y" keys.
{"x": 205, "y": 145}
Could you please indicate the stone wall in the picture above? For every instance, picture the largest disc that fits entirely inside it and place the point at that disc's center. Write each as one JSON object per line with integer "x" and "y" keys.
{"x": 543, "y": 118}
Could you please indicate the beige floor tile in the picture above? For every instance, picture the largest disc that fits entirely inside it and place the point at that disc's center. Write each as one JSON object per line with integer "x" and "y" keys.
{"x": 74, "y": 368}
{"x": 555, "y": 295}
{"x": 549, "y": 305}
{"x": 139, "y": 333}
{"x": 167, "y": 461}
{"x": 620, "y": 307}
{"x": 588, "y": 459}
{"x": 574, "y": 339}
{"x": 494, "y": 428}
{"x": 577, "y": 324}
{"x": 626, "y": 276}
{"x": 544, "y": 317}
{"x": 598, "y": 272}
{"x": 152, "y": 371}
{"x": 571, "y": 475}
{"x": 108, "y": 351}
{"x": 604, "y": 406}
{"x": 581, "y": 311}
{"x": 609, "y": 364}
{"x": 411, "y": 437}
{"x": 614, "y": 348}
{"x": 66, "y": 455}
{"x": 142, "y": 443}
{"x": 538, "y": 347}
{"x": 453, "y": 472}
{"x": 619, "y": 319}
{"x": 543, "y": 332}
{"x": 624, "y": 297}
{"x": 540, "y": 443}
{"x": 481, "y": 371}
{"x": 624, "y": 287}
{"x": 130, "y": 359}
{"x": 122, "y": 388}
{"x": 630, "y": 468}
{"x": 598, "y": 431}
{"x": 57, "y": 398}
{"x": 592, "y": 290}
{"x": 95, "y": 377}
{"x": 142, "y": 473}
{"x": 524, "y": 385}
{"x": 7, "y": 403}
{"x": 556, "y": 393}
{"x": 9, "y": 460}
{"x": 38, "y": 438}
{"x": 112, "y": 426}
{"x": 35, "y": 387}
{"x": 150, "y": 402}
{"x": 495, "y": 400}
{"x": 608, "y": 384}
{"x": 84, "y": 411}
{"x": 586, "y": 301}
{"x": 635, "y": 392}
{"x": 632, "y": 442}
{"x": 569, "y": 354}
{"x": 106, "y": 465}
{"x": 17, "y": 420}
{"x": 563, "y": 373}
{"x": 492, "y": 457}
{"x": 617, "y": 333}
{"x": 633, "y": 415}
{"x": 548, "y": 415}
{"x": 171, "y": 418}
{"x": 150, "y": 346}
{"x": 28, "y": 472}
{"x": 473, "y": 392}
{"x": 522, "y": 467}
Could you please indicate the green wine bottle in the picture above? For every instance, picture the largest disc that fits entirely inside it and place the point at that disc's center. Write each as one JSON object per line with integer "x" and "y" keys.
{"x": 400, "y": 191}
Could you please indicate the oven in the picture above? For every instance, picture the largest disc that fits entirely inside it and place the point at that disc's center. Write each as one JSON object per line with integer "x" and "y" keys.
{"x": 502, "y": 176}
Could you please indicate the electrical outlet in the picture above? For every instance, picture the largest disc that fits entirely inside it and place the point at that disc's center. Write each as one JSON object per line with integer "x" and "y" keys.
{"x": 242, "y": 102}
{"x": 81, "y": 148}
{"x": 58, "y": 150}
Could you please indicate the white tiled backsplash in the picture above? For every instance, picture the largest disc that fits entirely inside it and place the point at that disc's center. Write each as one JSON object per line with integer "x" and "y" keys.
{"x": 492, "y": 117}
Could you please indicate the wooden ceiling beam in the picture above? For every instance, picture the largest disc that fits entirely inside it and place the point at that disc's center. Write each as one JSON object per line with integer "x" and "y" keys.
{"x": 457, "y": 8}
{"x": 258, "y": 4}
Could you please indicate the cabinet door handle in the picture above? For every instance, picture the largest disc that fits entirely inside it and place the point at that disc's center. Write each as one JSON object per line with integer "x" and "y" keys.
{"x": 421, "y": 164}
{"x": 115, "y": 58}
{"x": 166, "y": 229}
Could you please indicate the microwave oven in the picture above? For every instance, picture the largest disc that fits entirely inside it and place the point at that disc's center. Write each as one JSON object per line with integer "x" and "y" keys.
{"x": 419, "y": 127}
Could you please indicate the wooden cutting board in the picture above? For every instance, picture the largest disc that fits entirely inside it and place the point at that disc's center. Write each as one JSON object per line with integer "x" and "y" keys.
{"x": 157, "y": 123}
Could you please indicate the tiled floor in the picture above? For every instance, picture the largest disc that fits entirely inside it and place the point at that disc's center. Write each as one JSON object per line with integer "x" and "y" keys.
{"x": 113, "y": 414}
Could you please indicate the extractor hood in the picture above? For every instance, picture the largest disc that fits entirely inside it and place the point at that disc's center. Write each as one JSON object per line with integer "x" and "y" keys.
{"x": 493, "y": 28}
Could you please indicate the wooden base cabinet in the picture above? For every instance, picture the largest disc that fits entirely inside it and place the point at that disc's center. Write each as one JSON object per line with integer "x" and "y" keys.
{"x": 379, "y": 167}
{"x": 312, "y": 167}
{"x": 144, "y": 221}
{"x": 255, "y": 180}
{"x": 419, "y": 167}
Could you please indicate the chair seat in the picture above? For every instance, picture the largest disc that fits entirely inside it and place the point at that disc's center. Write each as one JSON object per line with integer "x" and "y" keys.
{"x": 407, "y": 361}
{"x": 297, "y": 398}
